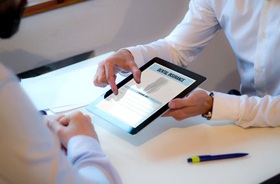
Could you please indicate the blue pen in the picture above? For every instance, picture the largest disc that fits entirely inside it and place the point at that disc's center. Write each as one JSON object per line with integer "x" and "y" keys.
{"x": 203, "y": 158}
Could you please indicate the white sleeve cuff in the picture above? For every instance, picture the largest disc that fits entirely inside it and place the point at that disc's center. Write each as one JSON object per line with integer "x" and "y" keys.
{"x": 225, "y": 107}
{"x": 137, "y": 55}
{"x": 78, "y": 145}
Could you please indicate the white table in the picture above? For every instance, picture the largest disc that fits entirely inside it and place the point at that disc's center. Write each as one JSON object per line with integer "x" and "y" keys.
{"x": 157, "y": 155}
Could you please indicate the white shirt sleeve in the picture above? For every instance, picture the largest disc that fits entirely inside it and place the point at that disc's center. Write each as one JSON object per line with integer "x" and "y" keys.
{"x": 186, "y": 41}
{"x": 30, "y": 153}
{"x": 247, "y": 111}
{"x": 87, "y": 156}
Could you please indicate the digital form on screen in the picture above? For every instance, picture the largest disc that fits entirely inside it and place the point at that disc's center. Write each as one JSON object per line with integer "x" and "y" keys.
{"x": 135, "y": 102}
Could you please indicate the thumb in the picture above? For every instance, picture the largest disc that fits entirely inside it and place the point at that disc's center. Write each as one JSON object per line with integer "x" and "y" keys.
{"x": 54, "y": 126}
{"x": 178, "y": 103}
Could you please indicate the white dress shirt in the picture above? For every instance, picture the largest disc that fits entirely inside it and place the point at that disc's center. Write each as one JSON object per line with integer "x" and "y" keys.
{"x": 31, "y": 153}
{"x": 252, "y": 29}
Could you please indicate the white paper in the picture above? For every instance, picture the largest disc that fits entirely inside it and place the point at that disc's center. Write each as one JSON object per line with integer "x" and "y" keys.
{"x": 63, "y": 90}
{"x": 67, "y": 88}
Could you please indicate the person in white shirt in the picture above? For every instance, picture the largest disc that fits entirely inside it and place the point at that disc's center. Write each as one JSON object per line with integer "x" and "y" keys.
{"x": 251, "y": 28}
{"x": 31, "y": 148}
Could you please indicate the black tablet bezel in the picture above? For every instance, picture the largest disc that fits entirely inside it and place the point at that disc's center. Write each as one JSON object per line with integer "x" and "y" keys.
{"x": 198, "y": 80}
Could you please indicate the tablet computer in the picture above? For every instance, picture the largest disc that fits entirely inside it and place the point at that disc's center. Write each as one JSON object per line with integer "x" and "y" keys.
{"x": 137, "y": 105}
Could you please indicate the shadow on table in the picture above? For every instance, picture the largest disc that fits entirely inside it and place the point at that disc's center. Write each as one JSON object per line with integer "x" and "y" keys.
{"x": 156, "y": 128}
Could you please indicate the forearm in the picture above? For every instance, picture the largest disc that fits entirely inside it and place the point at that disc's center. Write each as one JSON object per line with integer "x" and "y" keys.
{"x": 165, "y": 49}
{"x": 144, "y": 53}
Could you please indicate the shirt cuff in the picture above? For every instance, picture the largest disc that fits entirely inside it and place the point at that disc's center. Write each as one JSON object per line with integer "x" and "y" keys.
{"x": 137, "y": 55}
{"x": 225, "y": 107}
{"x": 80, "y": 144}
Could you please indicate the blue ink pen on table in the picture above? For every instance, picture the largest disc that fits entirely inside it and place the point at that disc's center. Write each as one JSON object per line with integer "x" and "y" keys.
{"x": 203, "y": 158}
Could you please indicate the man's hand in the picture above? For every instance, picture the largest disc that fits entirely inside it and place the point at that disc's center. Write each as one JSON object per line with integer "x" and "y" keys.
{"x": 196, "y": 103}
{"x": 106, "y": 72}
{"x": 68, "y": 126}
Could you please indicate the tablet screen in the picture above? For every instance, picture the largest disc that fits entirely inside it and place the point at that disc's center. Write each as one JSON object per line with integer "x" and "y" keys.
{"x": 136, "y": 105}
